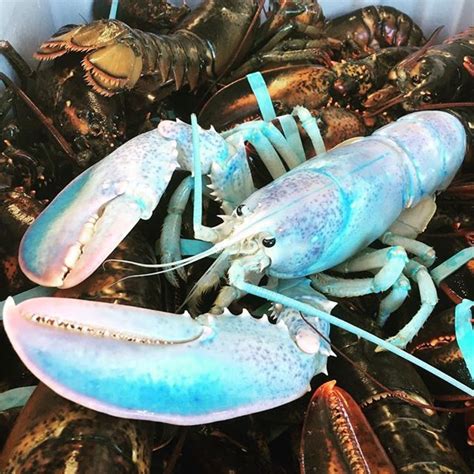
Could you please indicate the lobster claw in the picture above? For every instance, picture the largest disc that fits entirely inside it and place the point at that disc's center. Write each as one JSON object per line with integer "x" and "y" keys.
{"x": 92, "y": 215}
{"x": 176, "y": 369}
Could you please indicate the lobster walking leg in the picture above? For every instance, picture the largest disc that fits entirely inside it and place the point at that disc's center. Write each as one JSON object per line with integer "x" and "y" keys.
{"x": 391, "y": 262}
{"x": 384, "y": 279}
{"x": 428, "y": 297}
{"x": 423, "y": 252}
{"x": 394, "y": 299}
{"x": 171, "y": 231}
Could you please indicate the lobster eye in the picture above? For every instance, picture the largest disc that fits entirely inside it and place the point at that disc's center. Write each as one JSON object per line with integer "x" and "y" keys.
{"x": 242, "y": 210}
{"x": 269, "y": 242}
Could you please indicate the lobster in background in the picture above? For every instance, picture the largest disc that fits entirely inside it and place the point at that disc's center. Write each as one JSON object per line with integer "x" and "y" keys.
{"x": 200, "y": 48}
{"x": 338, "y": 438}
{"x": 432, "y": 75}
{"x": 371, "y": 28}
{"x": 91, "y": 125}
{"x": 157, "y": 16}
{"x": 23, "y": 179}
{"x": 388, "y": 390}
{"x": 52, "y": 433}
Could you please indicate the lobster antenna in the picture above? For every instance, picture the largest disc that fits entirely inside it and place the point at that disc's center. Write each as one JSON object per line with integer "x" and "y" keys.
{"x": 275, "y": 297}
{"x": 197, "y": 172}
{"x": 410, "y": 59}
{"x": 390, "y": 103}
{"x": 400, "y": 394}
{"x": 445, "y": 105}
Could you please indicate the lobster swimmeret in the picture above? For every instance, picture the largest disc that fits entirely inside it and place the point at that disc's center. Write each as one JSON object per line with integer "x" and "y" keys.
{"x": 313, "y": 218}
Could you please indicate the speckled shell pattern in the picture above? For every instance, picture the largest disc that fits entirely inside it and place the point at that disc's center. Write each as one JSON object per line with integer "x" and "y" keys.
{"x": 334, "y": 205}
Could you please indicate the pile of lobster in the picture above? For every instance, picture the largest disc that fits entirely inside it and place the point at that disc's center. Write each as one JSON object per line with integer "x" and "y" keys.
{"x": 326, "y": 167}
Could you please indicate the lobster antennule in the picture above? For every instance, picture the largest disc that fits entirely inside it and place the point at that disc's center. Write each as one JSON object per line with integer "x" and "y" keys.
{"x": 169, "y": 266}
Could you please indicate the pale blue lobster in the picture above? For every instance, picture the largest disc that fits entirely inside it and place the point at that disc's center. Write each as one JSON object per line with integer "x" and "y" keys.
{"x": 321, "y": 215}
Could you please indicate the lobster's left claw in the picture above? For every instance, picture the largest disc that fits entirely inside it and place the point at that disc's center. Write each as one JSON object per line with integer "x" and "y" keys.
{"x": 92, "y": 215}
{"x": 63, "y": 248}
{"x": 143, "y": 364}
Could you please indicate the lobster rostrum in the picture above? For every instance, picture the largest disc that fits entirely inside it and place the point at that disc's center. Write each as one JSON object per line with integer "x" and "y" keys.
{"x": 311, "y": 219}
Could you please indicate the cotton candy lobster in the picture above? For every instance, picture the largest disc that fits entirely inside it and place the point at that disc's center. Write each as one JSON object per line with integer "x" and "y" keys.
{"x": 321, "y": 215}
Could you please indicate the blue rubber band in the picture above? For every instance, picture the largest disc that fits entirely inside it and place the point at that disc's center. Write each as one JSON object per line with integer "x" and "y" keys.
{"x": 193, "y": 247}
{"x": 113, "y": 9}
{"x": 292, "y": 135}
{"x": 260, "y": 91}
{"x": 197, "y": 208}
{"x": 16, "y": 397}
{"x": 465, "y": 333}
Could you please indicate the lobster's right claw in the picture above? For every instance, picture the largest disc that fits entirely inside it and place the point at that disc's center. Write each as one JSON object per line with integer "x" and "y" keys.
{"x": 92, "y": 215}
{"x": 142, "y": 364}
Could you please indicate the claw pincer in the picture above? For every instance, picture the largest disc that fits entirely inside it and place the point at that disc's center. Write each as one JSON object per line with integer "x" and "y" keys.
{"x": 143, "y": 364}
{"x": 92, "y": 215}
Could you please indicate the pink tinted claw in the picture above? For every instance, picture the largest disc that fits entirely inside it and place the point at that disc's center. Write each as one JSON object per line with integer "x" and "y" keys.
{"x": 91, "y": 216}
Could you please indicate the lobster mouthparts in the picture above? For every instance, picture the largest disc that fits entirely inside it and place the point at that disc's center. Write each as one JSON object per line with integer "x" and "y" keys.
{"x": 176, "y": 369}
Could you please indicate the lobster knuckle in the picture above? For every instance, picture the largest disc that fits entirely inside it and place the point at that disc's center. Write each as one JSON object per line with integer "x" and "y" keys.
{"x": 229, "y": 187}
{"x": 212, "y": 146}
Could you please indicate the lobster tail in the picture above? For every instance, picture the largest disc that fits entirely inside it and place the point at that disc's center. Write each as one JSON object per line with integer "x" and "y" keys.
{"x": 184, "y": 55}
{"x": 118, "y": 55}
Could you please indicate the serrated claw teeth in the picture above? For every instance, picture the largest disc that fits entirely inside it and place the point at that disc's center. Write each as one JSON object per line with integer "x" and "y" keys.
{"x": 158, "y": 354}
